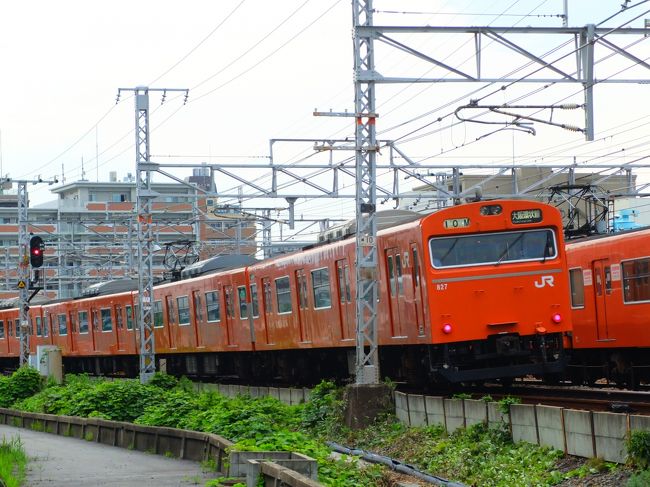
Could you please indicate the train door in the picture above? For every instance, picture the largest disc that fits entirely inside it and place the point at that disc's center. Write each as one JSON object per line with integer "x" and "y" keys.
{"x": 303, "y": 306}
{"x": 347, "y": 312}
{"x": 395, "y": 290}
{"x": 267, "y": 305}
{"x": 602, "y": 286}
{"x": 72, "y": 332}
{"x": 230, "y": 313}
{"x": 417, "y": 288}
{"x": 197, "y": 308}
{"x": 171, "y": 329}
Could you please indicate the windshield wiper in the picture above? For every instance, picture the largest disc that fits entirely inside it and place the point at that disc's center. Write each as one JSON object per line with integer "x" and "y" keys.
{"x": 505, "y": 252}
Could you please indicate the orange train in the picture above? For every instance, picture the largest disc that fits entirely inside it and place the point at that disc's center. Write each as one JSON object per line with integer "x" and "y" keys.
{"x": 610, "y": 300}
{"x": 472, "y": 292}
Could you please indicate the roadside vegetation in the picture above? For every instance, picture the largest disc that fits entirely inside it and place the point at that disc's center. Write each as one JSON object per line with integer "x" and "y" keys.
{"x": 13, "y": 462}
{"x": 475, "y": 456}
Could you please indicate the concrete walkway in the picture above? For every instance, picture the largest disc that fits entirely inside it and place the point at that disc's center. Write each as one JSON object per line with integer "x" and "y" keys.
{"x": 61, "y": 461}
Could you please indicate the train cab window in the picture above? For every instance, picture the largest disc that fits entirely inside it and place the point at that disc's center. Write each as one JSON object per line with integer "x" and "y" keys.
{"x": 493, "y": 248}
{"x": 283, "y": 294}
{"x": 212, "y": 306}
{"x": 577, "y": 285}
{"x": 83, "y": 322}
{"x": 63, "y": 325}
{"x": 2, "y": 330}
{"x": 129, "y": 317}
{"x": 320, "y": 281}
{"x": 243, "y": 307}
{"x": 183, "y": 305}
{"x": 107, "y": 320}
{"x": 636, "y": 280}
{"x": 254, "y": 302}
{"x": 158, "y": 318}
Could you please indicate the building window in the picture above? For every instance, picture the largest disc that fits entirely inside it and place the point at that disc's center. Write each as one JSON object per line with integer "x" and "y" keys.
{"x": 63, "y": 325}
{"x": 107, "y": 321}
{"x": 212, "y": 306}
{"x": 283, "y": 294}
{"x": 83, "y": 322}
{"x": 183, "y": 304}
{"x": 158, "y": 320}
{"x": 320, "y": 281}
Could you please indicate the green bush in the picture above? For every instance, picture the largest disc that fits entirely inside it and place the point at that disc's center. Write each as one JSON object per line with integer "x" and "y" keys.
{"x": 164, "y": 381}
{"x": 638, "y": 448}
{"x": 639, "y": 479}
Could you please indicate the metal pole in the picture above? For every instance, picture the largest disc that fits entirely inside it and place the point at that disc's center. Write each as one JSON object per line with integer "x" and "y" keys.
{"x": 367, "y": 357}
{"x": 23, "y": 272}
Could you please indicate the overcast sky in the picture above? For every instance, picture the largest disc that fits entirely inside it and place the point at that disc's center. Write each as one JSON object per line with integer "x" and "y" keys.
{"x": 257, "y": 69}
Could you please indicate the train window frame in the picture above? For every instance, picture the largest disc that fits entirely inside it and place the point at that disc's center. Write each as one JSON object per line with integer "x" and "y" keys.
{"x": 316, "y": 287}
{"x": 282, "y": 295}
{"x": 102, "y": 318}
{"x": 81, "y": 322}
{"x": 436, "y": 264}
{"x": 216, "y": 302}
{"x": 128, "y": 309}
{"x": 2, "y": 330}
{"x": 624, "y": 278}
{"x": 185, "y": 310}
{"x": 62, "y": 325}
{"x": 580, "y": 280}
{"x": 158, "y": 314}
{"x": 243, "y": 304}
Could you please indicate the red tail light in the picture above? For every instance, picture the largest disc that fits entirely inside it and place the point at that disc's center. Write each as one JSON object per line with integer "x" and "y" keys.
{"x": 556, "y": 318}
{"x": 446, "y": 328}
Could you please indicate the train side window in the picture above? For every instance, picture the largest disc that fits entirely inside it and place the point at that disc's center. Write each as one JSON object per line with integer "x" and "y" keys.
{"x": 256, "y": 308}
{"x": 129, "y": 317}
{"x": 158, "y": 318}
{"x": 283, "y": 294}
{"x": 391, "y": 275}
{"x": 119, "y": 317}
{"x": 398, "y": 271}
{"x": 268, "y": 300}
{"x": 198, "y": 312}
{"x": 183, "y": 305}
{"x": 636, "y": 280}
{"x": 83, "y": 322}
{"x": 608, "y": 280}
{"x": 212, "y": 307}
{"x": 2, "y": 330}
{"x": 107, "y": 321}
{"x": 320, "y": 281}
{"x": 577, "y": 285}
{"x": 63, "y": 325}
{"x": 243, "y": 308}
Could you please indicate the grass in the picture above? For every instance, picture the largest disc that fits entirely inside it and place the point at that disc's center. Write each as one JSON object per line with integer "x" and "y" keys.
{"x": 13, "y": 462}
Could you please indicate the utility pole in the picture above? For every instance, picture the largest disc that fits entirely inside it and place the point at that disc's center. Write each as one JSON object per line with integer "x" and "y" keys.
{"x": 145, "y": 196}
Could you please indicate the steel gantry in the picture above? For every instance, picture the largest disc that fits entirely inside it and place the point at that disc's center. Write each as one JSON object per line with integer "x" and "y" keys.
{"x": 145, "y": 195}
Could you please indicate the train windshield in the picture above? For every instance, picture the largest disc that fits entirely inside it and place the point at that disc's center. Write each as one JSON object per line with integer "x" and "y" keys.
{"x": 492, "y": 248}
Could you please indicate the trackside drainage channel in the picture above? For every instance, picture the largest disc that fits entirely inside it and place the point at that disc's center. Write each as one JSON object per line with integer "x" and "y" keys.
{"x": 393, "y": 464}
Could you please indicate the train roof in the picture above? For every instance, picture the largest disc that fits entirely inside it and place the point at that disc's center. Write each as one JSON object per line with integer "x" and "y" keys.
{"x": 606, "y": 235}
{"x": 109, "y": 287}
{"x": 216, "y": 264}
{"x": 384, "y": 219}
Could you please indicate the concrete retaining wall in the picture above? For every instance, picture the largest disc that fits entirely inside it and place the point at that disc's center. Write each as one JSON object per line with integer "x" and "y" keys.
{"x": 186, "y": 444}
{"x": 581, "y": 433}
{"x": 288, "y": 396}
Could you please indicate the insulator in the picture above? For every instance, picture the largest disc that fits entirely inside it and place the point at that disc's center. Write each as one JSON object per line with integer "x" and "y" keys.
{"x": 569, "y": 106}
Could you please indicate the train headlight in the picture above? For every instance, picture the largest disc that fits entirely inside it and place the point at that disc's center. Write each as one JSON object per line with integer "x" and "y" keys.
{"x": 556, "y": 318}
{"x": 446, "y": 328}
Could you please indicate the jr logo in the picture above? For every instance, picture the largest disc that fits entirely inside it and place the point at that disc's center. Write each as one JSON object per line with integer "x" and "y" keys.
{"x": 543, "y": 281}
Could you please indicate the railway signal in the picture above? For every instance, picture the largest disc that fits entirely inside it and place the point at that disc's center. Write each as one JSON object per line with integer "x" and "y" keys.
{"x": 36, "y": 249}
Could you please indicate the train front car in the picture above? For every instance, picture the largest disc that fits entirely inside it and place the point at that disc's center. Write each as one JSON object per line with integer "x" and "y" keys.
{"x": 498, "y": 293}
